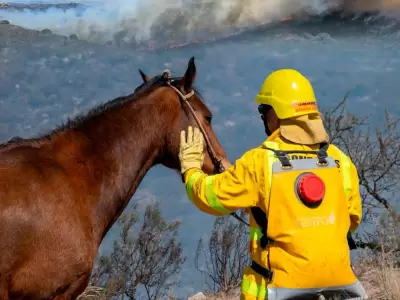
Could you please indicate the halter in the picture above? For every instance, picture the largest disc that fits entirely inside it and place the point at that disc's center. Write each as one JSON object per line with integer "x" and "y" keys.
{"x": 217, "y": 160}
{"x": 214, "y": 157}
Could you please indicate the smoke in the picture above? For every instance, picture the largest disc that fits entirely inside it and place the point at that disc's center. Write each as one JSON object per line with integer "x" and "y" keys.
{"x": 164, "y": 21}
{"x": 384, "y": 6}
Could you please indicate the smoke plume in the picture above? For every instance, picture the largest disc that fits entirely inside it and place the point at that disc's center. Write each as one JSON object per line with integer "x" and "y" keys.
{"x": 162, "y": 21}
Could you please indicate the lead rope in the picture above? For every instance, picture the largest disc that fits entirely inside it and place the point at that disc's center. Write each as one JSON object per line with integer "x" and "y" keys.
{"x": 185, "y": 99}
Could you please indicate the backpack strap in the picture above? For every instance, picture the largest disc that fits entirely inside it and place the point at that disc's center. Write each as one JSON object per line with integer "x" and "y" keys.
{"x": 262, "y": 221}
{"x": 283, "y": 157}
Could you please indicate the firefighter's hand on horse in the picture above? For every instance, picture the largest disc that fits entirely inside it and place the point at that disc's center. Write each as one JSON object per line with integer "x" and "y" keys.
{"x": 191, "y": 150}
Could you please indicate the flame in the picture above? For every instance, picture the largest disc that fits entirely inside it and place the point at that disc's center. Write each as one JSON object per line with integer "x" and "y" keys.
{"x": 288, "y": 18}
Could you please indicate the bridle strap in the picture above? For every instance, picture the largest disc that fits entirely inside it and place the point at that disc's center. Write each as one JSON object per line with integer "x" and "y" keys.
{"x": 185, "y": 98}
{"x": 217, "y": 160}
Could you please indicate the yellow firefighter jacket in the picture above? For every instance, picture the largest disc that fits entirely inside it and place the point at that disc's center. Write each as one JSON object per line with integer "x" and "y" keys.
{"x": 308, "y": 251}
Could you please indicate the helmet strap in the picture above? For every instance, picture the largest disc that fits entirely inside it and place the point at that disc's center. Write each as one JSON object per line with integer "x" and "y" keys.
{"x": 267, "y": 131}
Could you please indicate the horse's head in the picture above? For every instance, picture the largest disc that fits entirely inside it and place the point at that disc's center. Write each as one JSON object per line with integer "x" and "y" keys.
{"x": 184, "y": 107}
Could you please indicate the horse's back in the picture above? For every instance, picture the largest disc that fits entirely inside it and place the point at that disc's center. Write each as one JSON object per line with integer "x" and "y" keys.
{"x": 24, "y": 172}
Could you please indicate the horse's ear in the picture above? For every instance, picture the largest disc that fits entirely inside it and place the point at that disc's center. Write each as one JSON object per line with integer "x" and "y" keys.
{"x": 189, "y": 77}
{"x": 144, "y": 76}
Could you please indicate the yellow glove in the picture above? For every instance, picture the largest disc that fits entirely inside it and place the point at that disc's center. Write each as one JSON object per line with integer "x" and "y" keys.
{"x": 191, "y": 152}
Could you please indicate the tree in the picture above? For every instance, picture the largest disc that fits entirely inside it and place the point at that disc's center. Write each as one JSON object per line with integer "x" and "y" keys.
{"x": 145, "y": 258}
{"x": 376, "y": 154}
{"x": 226, "y": 254}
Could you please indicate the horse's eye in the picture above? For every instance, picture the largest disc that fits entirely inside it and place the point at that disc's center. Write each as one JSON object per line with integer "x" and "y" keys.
{"x": 209, "y": 119}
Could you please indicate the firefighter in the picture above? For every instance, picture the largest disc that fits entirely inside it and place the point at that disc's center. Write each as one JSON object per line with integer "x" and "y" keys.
{"x": 301, "y": 192}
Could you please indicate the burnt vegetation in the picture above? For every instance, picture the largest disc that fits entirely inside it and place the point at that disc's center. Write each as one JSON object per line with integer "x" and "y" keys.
{"x": 144, "y": 262}
{"x": 224, "y": 257}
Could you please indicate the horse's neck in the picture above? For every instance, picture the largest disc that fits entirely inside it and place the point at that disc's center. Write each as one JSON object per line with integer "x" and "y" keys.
{"x": 119, "y": 148}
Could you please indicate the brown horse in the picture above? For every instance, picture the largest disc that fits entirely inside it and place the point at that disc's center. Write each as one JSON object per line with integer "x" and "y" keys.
{"x": 61, "y": 193}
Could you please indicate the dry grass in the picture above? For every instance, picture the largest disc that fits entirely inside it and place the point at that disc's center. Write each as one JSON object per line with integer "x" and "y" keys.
{"x": 233, "y": 295}
{"x": 93, "y": 293}
{"x": 382, "y": 284}
{"x": 380, "y": 277}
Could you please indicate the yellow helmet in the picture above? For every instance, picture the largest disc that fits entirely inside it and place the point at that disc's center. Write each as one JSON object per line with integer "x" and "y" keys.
{"x": 289, "y": 93}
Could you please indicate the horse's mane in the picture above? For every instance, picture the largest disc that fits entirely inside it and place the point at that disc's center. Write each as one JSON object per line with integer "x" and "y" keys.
{"x": 141, "y": 90}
